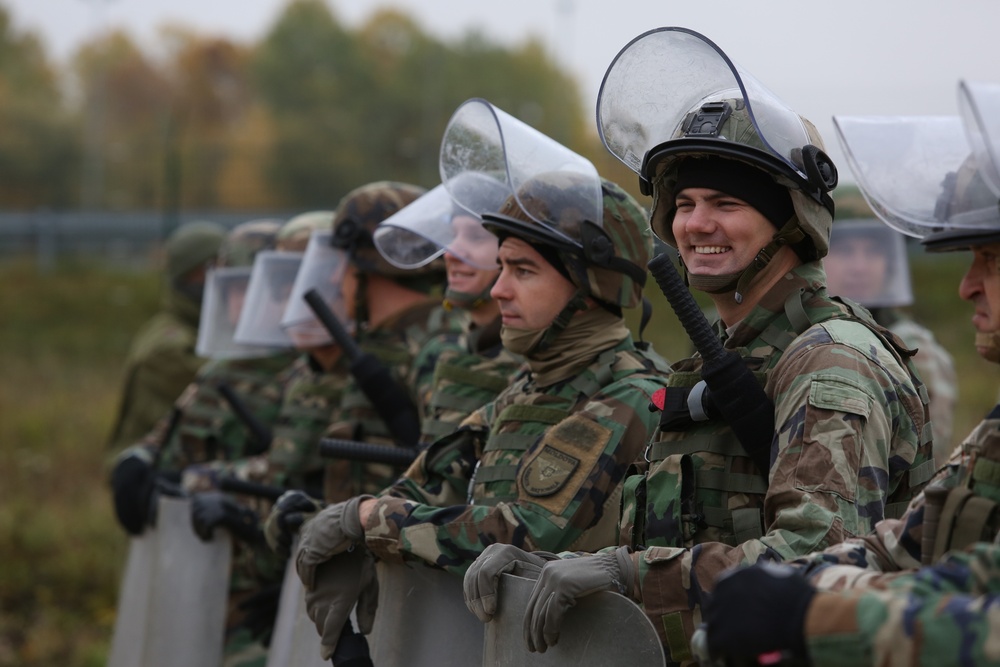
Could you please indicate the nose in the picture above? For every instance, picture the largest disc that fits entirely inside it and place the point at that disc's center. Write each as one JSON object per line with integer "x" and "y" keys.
{"x": 972, "y": 281}
{"x": 501, "y": 288}
{"x": 697, "y": 220}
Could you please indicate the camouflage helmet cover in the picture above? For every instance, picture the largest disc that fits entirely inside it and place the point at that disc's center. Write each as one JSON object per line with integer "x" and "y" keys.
{"x": 245, "y": 240}
{"x": 294, "y": 234}
{"x": 191, "y": 245}
{"x": 359, "y": 214}
{"x": 606, "y": 260}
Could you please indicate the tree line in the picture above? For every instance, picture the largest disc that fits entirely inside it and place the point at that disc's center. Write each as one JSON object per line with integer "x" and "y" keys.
{"x": 293, "y": 121}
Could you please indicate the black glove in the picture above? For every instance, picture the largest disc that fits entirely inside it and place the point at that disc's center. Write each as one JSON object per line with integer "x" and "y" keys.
{"x": 214, "y": 508}
{"x": 288, "y": 514}
{"x": 260, "y": 610}
{"x": 131, "y": 490}
{"x": 756, "y": 610}
{"x": 352, "y": 649}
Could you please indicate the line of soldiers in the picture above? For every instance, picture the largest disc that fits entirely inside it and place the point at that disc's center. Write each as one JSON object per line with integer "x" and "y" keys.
{"x": 477, "y": 329}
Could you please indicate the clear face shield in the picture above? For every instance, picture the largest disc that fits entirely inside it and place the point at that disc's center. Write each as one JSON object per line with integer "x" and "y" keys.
{"x": 917, "y": 174}
{"x": 435, "y": 223}
{"x": 671, "y": 91}
{"x": 867, "y": 263}
{"x": 225, "y": 294}
{"x": 483, "y": 140}
{"x": 270, "y": 284}
{"x": 979, "y": 107}
{"x": 323, "y": 269}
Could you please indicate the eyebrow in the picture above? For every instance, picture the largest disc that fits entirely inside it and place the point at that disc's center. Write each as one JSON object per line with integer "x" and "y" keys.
{"x": 712, "y": 197}
{"x": 517, "y": 261}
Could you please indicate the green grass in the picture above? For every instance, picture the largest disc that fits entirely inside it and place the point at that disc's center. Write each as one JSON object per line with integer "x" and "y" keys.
{"x": 62, "y": 343}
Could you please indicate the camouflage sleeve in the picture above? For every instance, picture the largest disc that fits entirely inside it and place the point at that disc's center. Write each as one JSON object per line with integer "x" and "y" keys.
{"x": 842, "y": 442}
{"x": 421, "y": 374}
{"x": 452, "y": 537}
{"x": 948, "y": 613}
{"x": 937, "y": 370}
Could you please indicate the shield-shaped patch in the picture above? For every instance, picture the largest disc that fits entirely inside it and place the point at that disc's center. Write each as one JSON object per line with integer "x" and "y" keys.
{"x": 548, "y": 472}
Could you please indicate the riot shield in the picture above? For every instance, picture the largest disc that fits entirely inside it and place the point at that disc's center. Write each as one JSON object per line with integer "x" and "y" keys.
{"x": 422, "y": 620}
{"x": 294, "y": 641}
{"x": 172, "y": 606}
{"x": 602, "y": 629}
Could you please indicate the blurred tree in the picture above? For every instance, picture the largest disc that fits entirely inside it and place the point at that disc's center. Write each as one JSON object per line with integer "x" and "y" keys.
{"x": 39, "y": 152}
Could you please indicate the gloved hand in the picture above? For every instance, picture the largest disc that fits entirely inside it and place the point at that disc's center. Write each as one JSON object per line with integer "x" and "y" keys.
{"x": 483, "y": 576}
{"x": 260, "y": 610}
{"x": 338, "y": 583}
{"x": 132, "y": 483}
{"x": 758, "y": 609}
{"x": 333, "y": 530}
{"x": 290, "y": 511}
{"x": 562, "y": 582}
{"x": 215, "y": 508}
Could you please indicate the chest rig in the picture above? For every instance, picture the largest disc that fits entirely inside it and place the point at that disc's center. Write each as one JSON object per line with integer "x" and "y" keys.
{"x": 698, "y": 483}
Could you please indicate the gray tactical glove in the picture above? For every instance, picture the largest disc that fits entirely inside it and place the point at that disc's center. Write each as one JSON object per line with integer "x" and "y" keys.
{"x": 340, "y": 582}
{"x": 333, "y": 530}
{"x": 483, "y": 576}
{"x": 563, "y": 582}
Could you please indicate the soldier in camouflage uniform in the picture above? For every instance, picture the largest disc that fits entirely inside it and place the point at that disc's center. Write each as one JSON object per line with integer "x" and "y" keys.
{"x": 921, "y": 589}
{"x": 393, "y": 313}
{"x": 472, "y": 367}
{"x": 750, "y": 217}
{"x": 161, "y": 360}
{"x": 867, "y": 263}
{"x": 541, "y": 466}
{"x": 289, "y": 395}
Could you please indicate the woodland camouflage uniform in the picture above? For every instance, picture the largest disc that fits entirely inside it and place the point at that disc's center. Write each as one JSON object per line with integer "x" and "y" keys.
{"x": 541, "y": 466}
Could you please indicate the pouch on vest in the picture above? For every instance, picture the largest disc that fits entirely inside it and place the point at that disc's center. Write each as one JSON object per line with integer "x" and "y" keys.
{"x": 668, "y": 512}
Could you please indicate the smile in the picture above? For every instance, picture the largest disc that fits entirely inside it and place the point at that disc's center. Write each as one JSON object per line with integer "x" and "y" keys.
{"x": 710, "y": 249}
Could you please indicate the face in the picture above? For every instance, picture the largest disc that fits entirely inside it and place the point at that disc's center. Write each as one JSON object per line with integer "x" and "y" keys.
{"x": 981, "y": 286}
{"x": 857, "y": 268}
{"x": 529, "y": 291}
{"x": 473, "y": 243}
{"x": 718, "y": 234}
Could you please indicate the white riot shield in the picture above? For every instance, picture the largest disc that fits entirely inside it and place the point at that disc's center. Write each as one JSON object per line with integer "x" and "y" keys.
{"x": 294, "y": 641}
{"x": 422, "y": 620}
{"x": 602, "y": 629}
{"x": 172, "y": 606}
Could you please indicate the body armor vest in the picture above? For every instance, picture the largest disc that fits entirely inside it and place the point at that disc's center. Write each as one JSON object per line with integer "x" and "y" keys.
{"x": 718, "y": 495}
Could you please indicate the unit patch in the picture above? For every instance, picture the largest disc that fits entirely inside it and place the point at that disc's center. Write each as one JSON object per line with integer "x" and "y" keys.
{"x": 548, "y": 472}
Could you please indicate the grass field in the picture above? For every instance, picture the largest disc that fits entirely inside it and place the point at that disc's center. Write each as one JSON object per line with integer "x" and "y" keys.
{"x": 62, "y": 344}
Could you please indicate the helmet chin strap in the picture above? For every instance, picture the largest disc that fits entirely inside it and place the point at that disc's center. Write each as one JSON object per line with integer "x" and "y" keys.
{"x": 739, "y": 283}
{"x": 466, "y": 300}
{"x": 990, "y": 344}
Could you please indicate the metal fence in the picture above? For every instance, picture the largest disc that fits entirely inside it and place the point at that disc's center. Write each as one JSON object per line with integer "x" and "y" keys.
{"x": 121, "y": 239}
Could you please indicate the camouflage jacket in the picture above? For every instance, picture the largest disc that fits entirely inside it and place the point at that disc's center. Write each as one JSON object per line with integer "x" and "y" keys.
{"x": 469, "y": 373}
{"x": 849, "y": 440}
{"x": 397, "y": 343}
{"x": 875, "y": 598}
{"x": 539, "y": 467}
{"x": 937, "y": 370}
{"x": 161, "y": 363}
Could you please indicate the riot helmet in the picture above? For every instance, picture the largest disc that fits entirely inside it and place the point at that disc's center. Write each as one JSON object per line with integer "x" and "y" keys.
{"x": 226, "y": 289}
{"x": 191, "y": 246}
{"x": 437, "y": 224}
{"x": 271, "y": 281}
{"x": 700, "y": 105}
{"x": 867, "y": 263}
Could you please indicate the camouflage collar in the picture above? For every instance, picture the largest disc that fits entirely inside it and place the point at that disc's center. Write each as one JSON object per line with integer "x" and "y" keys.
{"x": 808, "y": 277}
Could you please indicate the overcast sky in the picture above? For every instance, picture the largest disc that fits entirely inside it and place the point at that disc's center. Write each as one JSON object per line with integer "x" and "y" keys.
{"x": 844, "y": 57}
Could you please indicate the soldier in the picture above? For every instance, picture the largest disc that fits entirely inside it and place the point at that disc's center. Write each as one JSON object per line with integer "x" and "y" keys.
{"x": 868, "y": 601}
{"x": 473, "y": 367}
{"x": 743, "y": 198}
{"x": 206, "y": 438}
{"x": 867, "y": 263}
{"x": 161, "y": 360}
{"x": 541, "y": 466}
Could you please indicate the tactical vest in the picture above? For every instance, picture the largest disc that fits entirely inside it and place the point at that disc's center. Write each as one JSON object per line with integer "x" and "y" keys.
{"x": 684, "y": 500}
{"x": 463, "y": 383}
{"x": 519, "y": 423}
{"x": 965, "y": 507}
